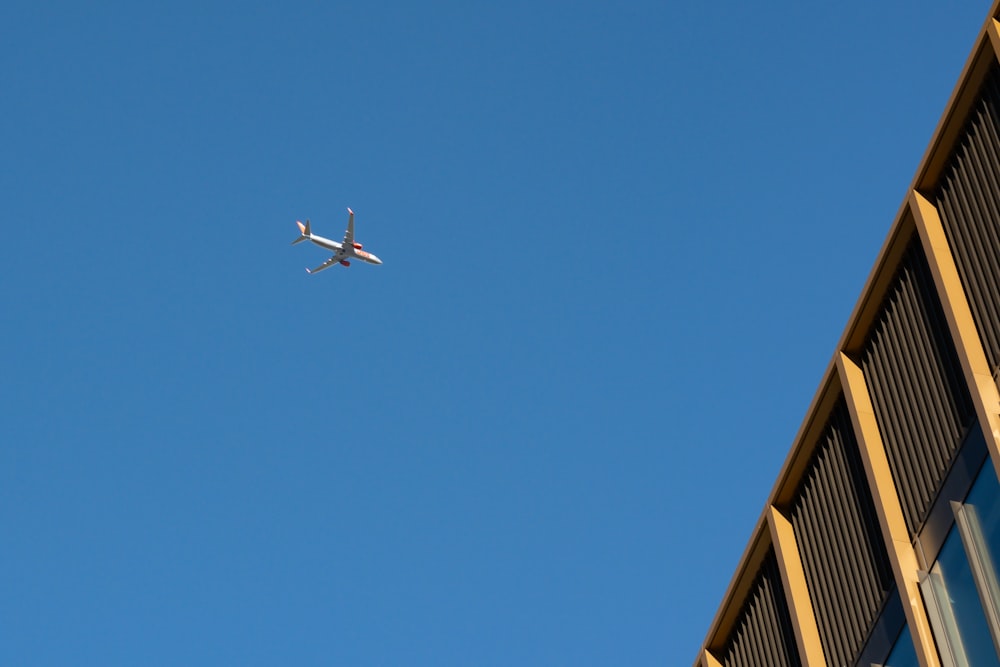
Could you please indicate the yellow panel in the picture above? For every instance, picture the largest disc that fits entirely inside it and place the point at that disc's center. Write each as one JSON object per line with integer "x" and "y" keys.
{"x": 708, "y": 660}
{"x": 793, "y": 577}
{"x": 957, "y": 311}
{"x": 890, "y": 512}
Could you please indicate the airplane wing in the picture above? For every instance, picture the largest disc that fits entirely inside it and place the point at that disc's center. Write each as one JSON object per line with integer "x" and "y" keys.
{"x": 349, "y": 234}
{"x": 328, "y": 263}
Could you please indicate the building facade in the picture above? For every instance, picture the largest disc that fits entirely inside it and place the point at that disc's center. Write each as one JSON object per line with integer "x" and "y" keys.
{"x": 880, "y": 542}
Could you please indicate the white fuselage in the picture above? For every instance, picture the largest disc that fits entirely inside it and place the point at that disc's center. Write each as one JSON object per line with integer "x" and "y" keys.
{"x": 350, "y": 251}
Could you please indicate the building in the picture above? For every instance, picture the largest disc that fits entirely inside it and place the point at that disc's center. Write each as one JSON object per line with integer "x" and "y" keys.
{"x": 880, "y": 541}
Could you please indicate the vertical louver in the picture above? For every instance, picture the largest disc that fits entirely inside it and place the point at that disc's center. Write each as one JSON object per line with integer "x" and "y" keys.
{"x": 968, "y": 201}
{"x": 763, "y": 632}
{"x": 921, "y": 402}
{"x": 840, "y": 542}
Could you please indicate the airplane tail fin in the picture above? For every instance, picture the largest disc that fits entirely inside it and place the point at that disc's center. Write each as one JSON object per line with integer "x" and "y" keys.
{"x": 304, "y": 229}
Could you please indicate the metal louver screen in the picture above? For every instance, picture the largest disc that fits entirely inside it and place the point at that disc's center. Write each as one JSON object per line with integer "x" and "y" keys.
{"x": 921, "y": 401}
{"x": 840, "y": 543}
{"x": 968, "y": 202}
{"x": 763, "y": 632}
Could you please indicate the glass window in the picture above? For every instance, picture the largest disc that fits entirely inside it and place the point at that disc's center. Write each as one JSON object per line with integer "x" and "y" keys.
{"x": 973, "y": 635}
{"x": 965, "y": 559}
{"x": 903, "y": 654}
{"x": 985, "y": 497}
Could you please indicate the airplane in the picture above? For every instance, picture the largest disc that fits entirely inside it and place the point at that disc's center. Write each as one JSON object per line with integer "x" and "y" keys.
{"x": 343, "y": 252}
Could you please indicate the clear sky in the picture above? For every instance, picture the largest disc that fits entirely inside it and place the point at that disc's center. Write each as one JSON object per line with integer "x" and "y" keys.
{"x": 621, "y": 241}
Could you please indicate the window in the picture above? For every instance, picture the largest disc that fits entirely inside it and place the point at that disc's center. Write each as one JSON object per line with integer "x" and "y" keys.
{"x": 961, "y": 591}
{"x": 903, "y": 654}
{"x": 953, "y": 603}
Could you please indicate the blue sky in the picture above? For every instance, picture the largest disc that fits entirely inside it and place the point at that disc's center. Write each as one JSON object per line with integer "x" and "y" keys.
{"x": 621, "y": 242}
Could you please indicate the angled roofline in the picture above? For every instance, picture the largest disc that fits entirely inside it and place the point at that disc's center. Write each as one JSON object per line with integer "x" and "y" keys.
{"x": 985, "y": 48}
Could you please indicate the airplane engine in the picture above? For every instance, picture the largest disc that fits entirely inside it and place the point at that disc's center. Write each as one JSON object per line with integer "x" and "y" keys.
{"x": 358, "y": 246}
{"x": 345, "y": 262}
